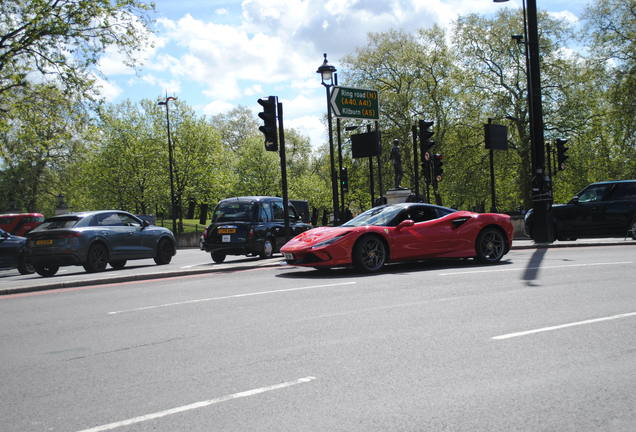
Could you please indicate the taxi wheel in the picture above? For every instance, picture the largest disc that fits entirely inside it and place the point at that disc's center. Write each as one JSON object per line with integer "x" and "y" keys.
{"x": 268, "y": 248}
{"x": 118, "y": 264}
{"x": 46, "y": 271}
{"x": 217, "y": 257}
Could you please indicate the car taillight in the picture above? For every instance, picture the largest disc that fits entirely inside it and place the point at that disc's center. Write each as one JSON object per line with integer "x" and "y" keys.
{"x": 205, "y": 233}
{"x": 67, "y": 235}
{"x": 251, "y": 234}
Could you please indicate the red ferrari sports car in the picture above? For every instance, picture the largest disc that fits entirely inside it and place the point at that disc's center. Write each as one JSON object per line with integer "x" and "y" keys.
{"x": 403, "y": 232}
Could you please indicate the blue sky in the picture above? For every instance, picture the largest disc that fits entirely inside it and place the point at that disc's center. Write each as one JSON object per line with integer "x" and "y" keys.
{"x": 217, "y": 54}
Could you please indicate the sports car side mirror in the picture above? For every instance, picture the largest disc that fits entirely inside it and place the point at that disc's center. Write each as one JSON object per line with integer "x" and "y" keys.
{"x": 405, "y": 224}
{"x": 574, "y": 200}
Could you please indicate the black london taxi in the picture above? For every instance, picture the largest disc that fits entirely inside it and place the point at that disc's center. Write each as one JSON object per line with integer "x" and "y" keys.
{"x": 251, "y": 226}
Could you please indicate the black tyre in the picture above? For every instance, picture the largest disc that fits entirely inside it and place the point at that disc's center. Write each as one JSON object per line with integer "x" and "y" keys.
{"x": 97, "y": 259}
{"x": 490, "y": 246}
{"x": 46, "y": 271}
{"x": 118, "y": 264}
{"x": 268, "y": 248}
{"x": 25, "y": 267}
{"x": 369, "y": 254}
{"x": 164, "y": 252}
{"x": 632, "y": 230}
{"x": 217, "y": 257}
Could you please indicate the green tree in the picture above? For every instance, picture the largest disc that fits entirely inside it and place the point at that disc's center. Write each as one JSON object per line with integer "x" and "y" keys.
{"x": 65, "y": 39}
{"x": 42, "y": 138}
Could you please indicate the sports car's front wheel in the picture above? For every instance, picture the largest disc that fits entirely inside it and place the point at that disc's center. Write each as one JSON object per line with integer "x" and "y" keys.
{"x": 490, "y": 246}
{"x": 369, "y": 254}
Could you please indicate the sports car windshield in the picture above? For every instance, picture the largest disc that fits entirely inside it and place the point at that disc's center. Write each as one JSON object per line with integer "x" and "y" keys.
{"x": 378, "y": 216}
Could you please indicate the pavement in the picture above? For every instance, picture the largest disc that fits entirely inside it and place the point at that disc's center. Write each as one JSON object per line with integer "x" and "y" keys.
{"x": 44, "y": 284}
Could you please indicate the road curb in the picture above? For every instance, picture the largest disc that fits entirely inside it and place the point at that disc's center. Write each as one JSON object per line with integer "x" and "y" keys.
{"x": 521, "y": 244}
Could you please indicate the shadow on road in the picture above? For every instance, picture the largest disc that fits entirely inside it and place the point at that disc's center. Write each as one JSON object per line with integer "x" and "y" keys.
{"x": 393, "y": 269}
{"x": 532, "y": 271}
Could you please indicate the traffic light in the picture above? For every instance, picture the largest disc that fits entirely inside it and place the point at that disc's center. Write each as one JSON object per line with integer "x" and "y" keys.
{"x": 344, "y": 180}
{"x": 425, "y": 142}
{"x": 425, "y": 148}
{"x": 437, "y": 167}
{"x": 561, "y": 156}
{"x": 269, "y": 117}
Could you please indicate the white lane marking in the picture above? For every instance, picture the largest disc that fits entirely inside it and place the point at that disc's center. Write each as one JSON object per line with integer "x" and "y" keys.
{"x": 230, "y": 297}
{"x": 198, "y": 405}
{"x": 535, "y": 268}
{"x": 559, "y": 327}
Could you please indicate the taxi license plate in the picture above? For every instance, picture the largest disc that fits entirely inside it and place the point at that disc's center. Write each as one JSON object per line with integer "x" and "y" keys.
{"x": 289, "y": 256}
{"x": 44, "y": 242}
{"x": 227, "y": 230}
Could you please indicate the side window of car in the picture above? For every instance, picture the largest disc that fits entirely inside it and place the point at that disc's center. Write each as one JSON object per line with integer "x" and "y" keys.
{"x": 128, "y": 221}
{"x": 106, "y": 219}
{"x": 266, "y": 213}
{"x": 279, "y": 213}
{"x": 592, "y": 194}
{"x": 624, "y": 191}
{"x": 292, "y": 213}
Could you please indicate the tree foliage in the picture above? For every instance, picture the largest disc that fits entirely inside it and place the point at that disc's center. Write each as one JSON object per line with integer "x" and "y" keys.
{"x": 65, "y": 39}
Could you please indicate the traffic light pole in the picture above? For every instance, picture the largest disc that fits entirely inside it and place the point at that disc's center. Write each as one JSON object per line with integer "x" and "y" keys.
{"x": 541, "y": 184}
{"x": 283, "y": 169}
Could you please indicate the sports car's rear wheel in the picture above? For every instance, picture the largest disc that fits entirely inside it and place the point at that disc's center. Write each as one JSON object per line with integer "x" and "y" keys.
{"x": 46, "y": 271}
{"x": 268, "y": 248}
{"x": 490, "y": 246}
{"x": 369, "y": 254}
{"x": 97, "y": 259}
{"x": 217, "y": 257}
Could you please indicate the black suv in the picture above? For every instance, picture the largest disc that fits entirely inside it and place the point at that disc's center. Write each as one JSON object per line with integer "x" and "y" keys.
{"x": 250, "y": 226}
{"x": 605, "y": 209}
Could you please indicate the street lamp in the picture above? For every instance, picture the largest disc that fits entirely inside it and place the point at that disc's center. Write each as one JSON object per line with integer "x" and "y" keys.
{"x": 541, "y": 184}
{"x": 326, "y": 72}
{"x": 174, "y": 204}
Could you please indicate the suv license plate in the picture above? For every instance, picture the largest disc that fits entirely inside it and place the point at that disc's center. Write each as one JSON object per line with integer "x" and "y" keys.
{"x": 44, "y": 242}
{"x": 289, "y": 256}
{"x": 227, "y": 230}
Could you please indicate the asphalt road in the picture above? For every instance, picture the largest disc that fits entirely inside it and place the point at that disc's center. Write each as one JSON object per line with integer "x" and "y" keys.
{"x": 543, "y": 341}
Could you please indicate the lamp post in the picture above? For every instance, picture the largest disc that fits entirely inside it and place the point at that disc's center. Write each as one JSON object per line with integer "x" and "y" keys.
{"x": 541, "y": 184}
{"x": 174, "y": 204}
{"x": 326, "y": 72}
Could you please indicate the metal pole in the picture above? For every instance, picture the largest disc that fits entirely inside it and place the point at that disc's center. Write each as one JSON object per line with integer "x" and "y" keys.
{"x": 283, "y": 169}
{"x": 417, "y": 171}
{"x": 371, "y": 176}
{"x": 334, "y": 185}
{"x": 174, "y": 204}
{"x": 377, "y": 130}
{"x": 493, "y": 206}
{"x": 541, "y": 185}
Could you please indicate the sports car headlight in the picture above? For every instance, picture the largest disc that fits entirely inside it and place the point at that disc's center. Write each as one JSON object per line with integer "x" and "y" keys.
{"x": 328, "y": 242}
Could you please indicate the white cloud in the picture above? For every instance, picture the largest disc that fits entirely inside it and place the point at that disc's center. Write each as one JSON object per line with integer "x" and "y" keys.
{"x": 216, "y": 107}
{"x": 108, "y": 90}
{"x": 221, "y": 11}
{"x": 311, "y": 126}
